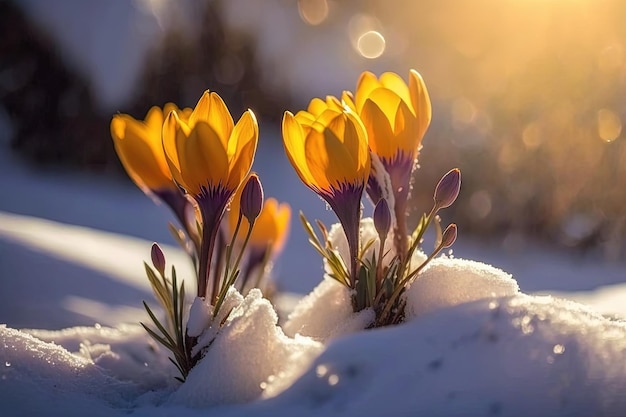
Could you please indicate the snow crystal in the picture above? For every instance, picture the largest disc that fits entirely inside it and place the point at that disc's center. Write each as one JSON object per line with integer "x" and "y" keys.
{"x": 246, "y": 352}
{"x": 326, "y": 313}
{"x": 447, "y": 282}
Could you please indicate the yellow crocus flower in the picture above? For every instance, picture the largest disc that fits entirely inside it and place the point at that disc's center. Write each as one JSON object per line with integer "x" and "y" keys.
{"x": 139, "y": 147}
{"x": 209, "y": 157}
{"x": 327, "y": 146}
{"x": 396, "y": 115}
{"x": 208, "y": 153}
{"x": 271, "y": 227}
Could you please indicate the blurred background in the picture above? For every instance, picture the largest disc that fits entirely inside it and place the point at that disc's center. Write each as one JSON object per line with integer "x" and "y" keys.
{"x": 529, "y": 99}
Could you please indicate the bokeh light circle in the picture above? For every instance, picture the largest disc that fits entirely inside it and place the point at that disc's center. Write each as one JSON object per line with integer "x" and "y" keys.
{"x": 371, "y": 44}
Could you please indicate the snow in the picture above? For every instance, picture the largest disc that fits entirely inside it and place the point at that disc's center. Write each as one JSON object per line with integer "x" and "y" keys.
{"x": 448, "y": 282}
{"x": 517, "y": 355}
{"x": 249, "y": 351}
{"x": 326, "y": 313}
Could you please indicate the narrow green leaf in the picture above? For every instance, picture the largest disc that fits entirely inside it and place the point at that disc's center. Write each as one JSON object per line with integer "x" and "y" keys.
{"x": 178, "y": 235}
{"x": 158, "y": 338}
{"x": 159, "y": 326}
{"x": 366, "y": 247}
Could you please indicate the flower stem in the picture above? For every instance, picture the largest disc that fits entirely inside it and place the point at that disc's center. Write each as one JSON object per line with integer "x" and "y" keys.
{"x": 229, "y": 280}
{"x": 210, "y": 229}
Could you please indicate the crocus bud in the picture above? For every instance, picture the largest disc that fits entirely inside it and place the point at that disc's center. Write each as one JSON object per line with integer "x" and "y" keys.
{"x": 447, "y": 189}
{"x": 382, "y": 218}
{"x": 251, "y": 198}
{"x": 449, "y": 236}
{"x": 158, "y": 259}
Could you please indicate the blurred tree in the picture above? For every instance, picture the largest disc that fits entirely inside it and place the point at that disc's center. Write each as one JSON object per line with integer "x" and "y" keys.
{"x": 50, "y": 107}
{"x": 52, "y": 110}
{"x": 213, "y": 57}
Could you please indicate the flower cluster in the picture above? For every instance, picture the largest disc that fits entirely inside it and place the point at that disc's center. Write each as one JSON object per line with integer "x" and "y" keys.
{"x": 370, "y": 141}
{"x": 197, "y": 162}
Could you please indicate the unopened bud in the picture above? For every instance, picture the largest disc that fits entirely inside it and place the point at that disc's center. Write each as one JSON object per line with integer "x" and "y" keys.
{"x": 449, "y": 236}
{"x": 382, "y": 218}
{"x": 251, "y": 200}
{"x": 448, "y": 188}
{"x": 158, "y": 259}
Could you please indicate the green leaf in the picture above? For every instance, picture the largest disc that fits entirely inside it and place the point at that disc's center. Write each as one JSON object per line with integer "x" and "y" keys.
{"x": 366, "y": 247}
{"x": 159, "y": 326}
{"x": 160, "y": 291}
{"x": 158, "y": 338}
{"x": 179, "y": 236}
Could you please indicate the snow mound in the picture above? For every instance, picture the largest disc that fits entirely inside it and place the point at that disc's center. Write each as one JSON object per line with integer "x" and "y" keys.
{"x": 516, "y": 356}
{"x": 37, "y": 377}
{"x": 247, "y": 352}
{"x": 326, "y": 313}
{"x": 446, "y": 282}
{"x": 126, "y": 353}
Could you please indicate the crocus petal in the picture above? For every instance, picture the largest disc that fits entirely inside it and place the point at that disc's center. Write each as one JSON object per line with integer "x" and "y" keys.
{"x": 420, "y": 101}
{"x": 246, "y": 130}
{"x": 395, "y": 83}
{"x": 387, "y": 101}
{"x": 379, "y": 131}
{"x": 348, "y": 100}
{"x": 170, "y": 129}
{"x": 154, "y": 120}
{"x": 366, "y": 84}
{"x": 316, "y": 107}
{"x": 205, "y": 162}
{"x": 305, "y": 118}
{"x": 293, "y": 139}
{"x": 329, "y": 161}
{"x": 142, "y": 159}
{"x": 332, "y": 120}
{"x": 356, "y": 141}
{"x": 201, "y": 110}
{"x": 220, "y": 119}
{"x": 240, "y": 166}
{"x": 406, "y": 131}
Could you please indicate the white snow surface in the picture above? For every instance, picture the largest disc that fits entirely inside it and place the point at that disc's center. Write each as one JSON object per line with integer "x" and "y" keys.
{"x": 448, "y": 282}
{"x": 508, "y": 356}
{"x": 247, "y": 353}
{"x": 326, "y": 313}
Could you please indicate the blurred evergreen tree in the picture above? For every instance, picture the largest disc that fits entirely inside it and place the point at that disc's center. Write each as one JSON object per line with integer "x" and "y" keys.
{"x": 52, "y": 110}
{"x": 214, "y": 57}
{"x": 50, "y": 107}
